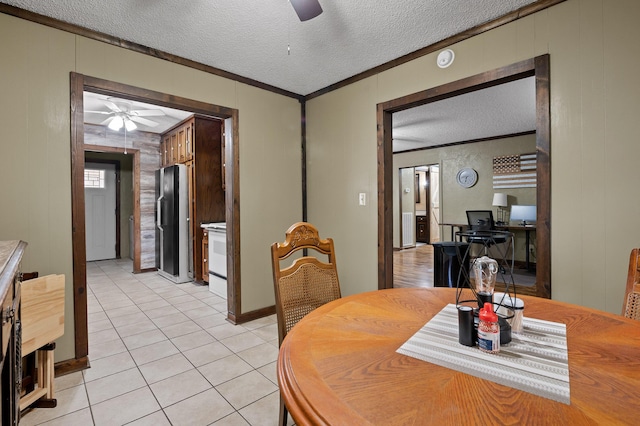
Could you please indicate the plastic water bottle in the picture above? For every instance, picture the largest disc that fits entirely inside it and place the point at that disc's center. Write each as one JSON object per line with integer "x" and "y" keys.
{"x": 488, "y": 330}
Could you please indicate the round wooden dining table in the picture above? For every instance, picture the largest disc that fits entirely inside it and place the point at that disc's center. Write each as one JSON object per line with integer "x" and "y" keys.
{"x": 339, "y": 366}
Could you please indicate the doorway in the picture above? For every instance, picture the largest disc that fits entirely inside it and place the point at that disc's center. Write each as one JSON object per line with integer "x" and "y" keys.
{"x": 81, "y": 83}
{"x": 100, "y": 182}
{"x": 418, "y": 208}
{"x": 428, "y": 204}
{"x": 537, "y": 67}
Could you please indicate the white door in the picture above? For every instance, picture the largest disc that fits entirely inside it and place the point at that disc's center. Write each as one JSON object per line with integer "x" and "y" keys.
{"x": 434, "y": 220}
{"x": 100, "y": 210}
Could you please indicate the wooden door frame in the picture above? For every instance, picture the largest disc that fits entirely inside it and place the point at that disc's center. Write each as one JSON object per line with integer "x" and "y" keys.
{"x": 80, "y": 83}
{"x": 537, "y": 67}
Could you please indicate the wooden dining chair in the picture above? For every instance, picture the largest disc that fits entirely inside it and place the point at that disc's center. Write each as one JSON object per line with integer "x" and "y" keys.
{"x": 302, "y": 283}
{"x": 631, "y": 305}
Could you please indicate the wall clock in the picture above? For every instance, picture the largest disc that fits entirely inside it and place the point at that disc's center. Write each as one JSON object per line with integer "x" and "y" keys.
{"x": 467, "y": 177}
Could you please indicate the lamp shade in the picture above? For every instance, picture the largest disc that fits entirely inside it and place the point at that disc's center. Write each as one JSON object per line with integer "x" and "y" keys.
{"x": 500, "y": 199}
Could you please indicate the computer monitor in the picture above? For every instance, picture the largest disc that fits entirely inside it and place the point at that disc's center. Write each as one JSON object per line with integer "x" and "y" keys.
{"x": 523, "y": 215}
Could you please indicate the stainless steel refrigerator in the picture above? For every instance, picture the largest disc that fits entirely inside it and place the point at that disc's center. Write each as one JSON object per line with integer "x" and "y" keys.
{"x": 172, "y": 223}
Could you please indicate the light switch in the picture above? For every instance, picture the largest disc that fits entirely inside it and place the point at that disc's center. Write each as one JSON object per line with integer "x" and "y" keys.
{"x": 362, "y": 199}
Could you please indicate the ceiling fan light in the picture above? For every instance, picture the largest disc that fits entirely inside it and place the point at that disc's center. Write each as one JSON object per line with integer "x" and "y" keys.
{"x": 130, "y": 125}
{"x": 116, "y": 124}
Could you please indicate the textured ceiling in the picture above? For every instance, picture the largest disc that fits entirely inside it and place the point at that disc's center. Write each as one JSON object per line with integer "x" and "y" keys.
{"x": 251, "y": 38}
{"x": 265, "y": 41}
{"x": 505, "y": 109}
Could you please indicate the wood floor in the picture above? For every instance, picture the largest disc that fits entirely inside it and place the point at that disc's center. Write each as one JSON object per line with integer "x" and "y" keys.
{"x": 413, "y": 267}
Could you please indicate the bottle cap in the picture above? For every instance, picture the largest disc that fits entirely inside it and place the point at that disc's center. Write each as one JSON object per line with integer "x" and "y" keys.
{"x": 487, "y": 314}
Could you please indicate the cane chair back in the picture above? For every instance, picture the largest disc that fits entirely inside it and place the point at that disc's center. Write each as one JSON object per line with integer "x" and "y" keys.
{"x": 309, "y": 281}
{"x": 304, "y": 283}
{"x": 631, "y": 306}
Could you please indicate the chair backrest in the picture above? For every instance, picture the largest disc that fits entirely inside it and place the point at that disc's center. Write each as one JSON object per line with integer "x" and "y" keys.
{"x": 308, "y": 282}
{"x": 631, "y": 305}
{"x": 480, "y": 220}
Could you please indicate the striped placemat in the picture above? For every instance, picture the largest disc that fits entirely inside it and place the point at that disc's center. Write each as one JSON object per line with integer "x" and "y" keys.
{"x": 535, "y": 361}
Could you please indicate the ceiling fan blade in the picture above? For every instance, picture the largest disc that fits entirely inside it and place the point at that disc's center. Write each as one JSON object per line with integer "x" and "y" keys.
{"x": 306, "y": 9}
{"x": 111, "y": 105}
{"x": 146, "y": 112}
{"x": 99, "y": 112}
{"x": 143, "y": 121}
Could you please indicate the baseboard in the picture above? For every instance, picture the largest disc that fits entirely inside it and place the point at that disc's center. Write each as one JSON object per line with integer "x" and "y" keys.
{"x": 252, "y": 315}
{"x": 71, "y": 366}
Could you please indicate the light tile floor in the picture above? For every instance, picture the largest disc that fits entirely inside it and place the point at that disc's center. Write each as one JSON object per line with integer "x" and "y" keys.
{"x": 164, "y": 354}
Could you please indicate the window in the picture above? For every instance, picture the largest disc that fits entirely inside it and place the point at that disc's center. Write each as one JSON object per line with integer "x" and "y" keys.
{"x": 93, "y": 178}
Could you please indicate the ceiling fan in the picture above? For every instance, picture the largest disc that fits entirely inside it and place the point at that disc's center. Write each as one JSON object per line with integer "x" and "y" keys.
{"x": 306, "y": 9}
{"x": 122, "y": 114}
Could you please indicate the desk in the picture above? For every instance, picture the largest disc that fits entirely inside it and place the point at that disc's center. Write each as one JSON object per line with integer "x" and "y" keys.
{"x": 527, "y": 230}
{"x": 339, "y": 366}
{"x": 511, "y": 228}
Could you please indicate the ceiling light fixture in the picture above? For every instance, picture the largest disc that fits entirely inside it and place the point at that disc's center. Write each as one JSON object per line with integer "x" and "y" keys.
{"x": 116, "y": 123}
{"x": 130, "y": 125}
{"x": 119, "y": 121}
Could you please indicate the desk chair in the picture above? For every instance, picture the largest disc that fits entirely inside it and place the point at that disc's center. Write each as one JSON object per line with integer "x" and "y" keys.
{"x": 304, "y": 284}
{"x": 481, "y": 224}
{"x": 631, "y": 305}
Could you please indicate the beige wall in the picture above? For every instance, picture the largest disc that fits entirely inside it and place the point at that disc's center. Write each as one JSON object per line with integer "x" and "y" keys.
{"x": 595, "y": 102}
{"x": 454, "y": 199}
{"x": 36, "y": 162}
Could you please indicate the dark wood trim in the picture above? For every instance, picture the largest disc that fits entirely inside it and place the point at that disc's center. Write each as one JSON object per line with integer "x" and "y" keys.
{"x": 543, "y": 195}
{"x": 303, "y": 137}
{"x": 117, "y": 165}
{"x": 480, "y": 81}
{"x": 253, "y": 315}
{"x": 105, "y": 38}
{"x": 137, "y": 243}
{"x": 510, "y": 17}
{"x": 538, "y": 67}
{"x": 139, "y": 48}
{"x": 80, "y": 83}
{"x": 125, "y": 91}
{"x": 232, "y": 205}
{"x": 70, "y": 366}
{"x": 385, "y": 198}
{"x": 445, "y": 145}
{"x": 77, "y": 219}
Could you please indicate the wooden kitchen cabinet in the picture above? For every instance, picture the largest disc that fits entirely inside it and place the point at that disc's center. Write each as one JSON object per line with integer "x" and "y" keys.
{"x": 422, "y": 229}
{"x": 197, "y": 143}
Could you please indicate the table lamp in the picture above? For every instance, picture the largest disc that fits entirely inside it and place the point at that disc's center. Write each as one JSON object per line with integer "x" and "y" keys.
{"x": 500, "y": 201}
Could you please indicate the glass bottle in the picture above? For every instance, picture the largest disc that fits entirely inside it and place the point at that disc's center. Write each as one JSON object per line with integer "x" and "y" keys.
{"x": 485, "y": 274}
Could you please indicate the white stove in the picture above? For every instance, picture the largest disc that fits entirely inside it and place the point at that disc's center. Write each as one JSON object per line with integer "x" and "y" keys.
{"x": 217, "y": 257}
